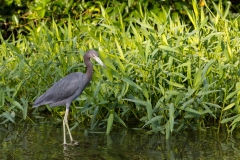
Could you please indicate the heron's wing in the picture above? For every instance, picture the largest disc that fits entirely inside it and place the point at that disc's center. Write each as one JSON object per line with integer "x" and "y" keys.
{"x": 63, "y": 89}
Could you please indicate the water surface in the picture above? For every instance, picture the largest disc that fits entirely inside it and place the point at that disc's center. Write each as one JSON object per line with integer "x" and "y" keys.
{"x": 44, "y": 141}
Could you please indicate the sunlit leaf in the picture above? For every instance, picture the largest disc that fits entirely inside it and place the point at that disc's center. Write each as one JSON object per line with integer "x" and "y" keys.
{"x": 167, "y": 48}
{"x": 174, "y": 84}
{"x": 229, "y": 106}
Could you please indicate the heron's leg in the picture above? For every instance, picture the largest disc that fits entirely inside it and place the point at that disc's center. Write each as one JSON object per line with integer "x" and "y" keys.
{"x": 66, "y": 123}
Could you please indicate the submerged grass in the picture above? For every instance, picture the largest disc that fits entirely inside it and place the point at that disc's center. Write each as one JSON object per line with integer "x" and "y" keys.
{"x": 161, "y": 71}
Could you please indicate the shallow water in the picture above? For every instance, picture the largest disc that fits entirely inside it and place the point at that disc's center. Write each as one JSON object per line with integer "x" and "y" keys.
{"x": 44, "y": 141}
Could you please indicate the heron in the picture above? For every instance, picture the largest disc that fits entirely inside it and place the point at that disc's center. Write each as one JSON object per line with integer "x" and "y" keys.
{"x": 67, "y": 89}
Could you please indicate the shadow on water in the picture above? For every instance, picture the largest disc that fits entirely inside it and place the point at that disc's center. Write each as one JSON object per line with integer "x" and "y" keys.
{"x": 44, "y": 141}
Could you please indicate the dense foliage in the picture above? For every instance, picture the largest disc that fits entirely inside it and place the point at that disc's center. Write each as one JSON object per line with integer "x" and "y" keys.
{"x": 16, "y": 14}
{"x": 162, "y": 70}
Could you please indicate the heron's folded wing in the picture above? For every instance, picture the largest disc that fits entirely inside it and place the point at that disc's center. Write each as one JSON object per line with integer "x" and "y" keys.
{"x": 62, "y": 89}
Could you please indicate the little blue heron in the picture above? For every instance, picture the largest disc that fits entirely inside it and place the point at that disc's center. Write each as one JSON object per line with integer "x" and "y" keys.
{"x": 67, "y": 89}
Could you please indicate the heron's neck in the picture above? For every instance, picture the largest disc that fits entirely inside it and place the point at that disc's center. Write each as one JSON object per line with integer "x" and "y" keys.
{"x": 89, "y": 68}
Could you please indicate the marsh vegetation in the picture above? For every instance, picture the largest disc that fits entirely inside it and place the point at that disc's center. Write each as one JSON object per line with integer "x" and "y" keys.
{"x": 168, "y": 69}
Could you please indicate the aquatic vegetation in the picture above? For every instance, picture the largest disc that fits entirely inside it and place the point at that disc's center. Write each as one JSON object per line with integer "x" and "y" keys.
{"x": 162, "y": 71}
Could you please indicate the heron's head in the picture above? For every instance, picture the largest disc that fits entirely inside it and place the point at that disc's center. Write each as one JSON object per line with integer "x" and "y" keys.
{"x": 94, "y": 55}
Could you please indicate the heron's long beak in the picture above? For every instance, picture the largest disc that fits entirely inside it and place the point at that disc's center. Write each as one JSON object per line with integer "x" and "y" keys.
{"x": 99, "y": 61}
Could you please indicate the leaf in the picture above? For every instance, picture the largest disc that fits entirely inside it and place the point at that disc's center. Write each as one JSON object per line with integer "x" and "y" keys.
{"x": 235, "y": 121}
{"x": 15, "y": 19}
{"x": 211, "y": 35}
{"x": 212, "y": 105}
{"x": 186, "y": 104}
{"x": 192, "y": 111}
{"x": 174, "y": 84}
{"x": 232, "y": 94}
{"x": 229, "y": 119}
{"x": 217, "y": 9}
{"x": 167, "y": 48}
{"x": 154, "y": 119}
{"x": 16, "y": 49}
{"x": 119, "y": 49}
{"x": 97, "y": 88}
{"x": 138, "y": 101}
{"x": 206, "y": 68}
{"x": 17, "y": 89}
{"x": 171, "y": 116}
{"x": 195, "y": 9}
{"x": 157, "y": 129}
{"x": 162, "y": 89}
{"x": 135, "y": 32}
{"x": 144, "y": 24}
{"x": 189, "y": 71}
{"x": 94, "y": 116}
{"x": 203, "y": 22}
{"x": 159, "y": 102}
{"x": 149, "y": 109}
{"x": 18, "y": 105}
{"x": 191, "y": 33}
{"x": 131, "y": 83}
{"x": 172, "y": 92}
{"x": 120, "y": 65}
{"x": 103, "y": 11}
{"x": 229, "y": 106}
{"x": 109, "y": 64}
{"x": 147, "y": 50}
{"x": 109, "y": 123}
{"x": 167, "y": 126}
{"x": 227, "y": 10}
{"x": 8, "y": 116}
{"x": 179, "y": 98}
{"x": 190, "y": 92}
{"x": 118, "y": 119}
{"x": 25, "y": 107}
{"x": 197, "y": 78}
{"x": 145, "y": 91}
{"x": 207, "y": 110}
{"x": 69, "y": 30}
{"x": 207, "y": 92}
{"x": 192, "y": 18}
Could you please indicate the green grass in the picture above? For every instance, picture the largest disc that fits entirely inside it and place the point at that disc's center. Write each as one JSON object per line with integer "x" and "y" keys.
{"x": 163, "y": 72}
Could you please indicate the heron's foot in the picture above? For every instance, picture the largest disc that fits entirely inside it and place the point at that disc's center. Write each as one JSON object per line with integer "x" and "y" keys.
{"x": 75, "y": 143}
{"x": 72, "y": 143}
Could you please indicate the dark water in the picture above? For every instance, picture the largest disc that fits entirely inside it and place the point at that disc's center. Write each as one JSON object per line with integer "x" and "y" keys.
{"x": 44, "y": 141}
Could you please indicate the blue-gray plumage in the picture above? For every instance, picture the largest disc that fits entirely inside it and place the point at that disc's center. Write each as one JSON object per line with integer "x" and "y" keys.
{"x": 67, "y": 89}
{"x": 64, "y": 91}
